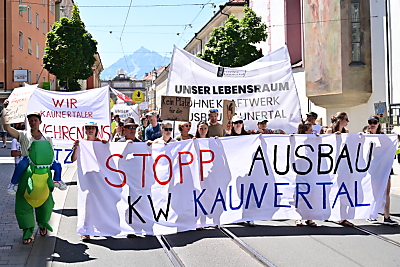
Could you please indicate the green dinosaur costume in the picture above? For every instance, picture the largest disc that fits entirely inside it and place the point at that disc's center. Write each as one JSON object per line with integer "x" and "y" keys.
{"x": 35, "y": 189}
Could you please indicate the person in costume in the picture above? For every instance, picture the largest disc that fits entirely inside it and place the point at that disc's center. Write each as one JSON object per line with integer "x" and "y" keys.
{"x": 25, "y": 138}
{"x": 35, "y": 191}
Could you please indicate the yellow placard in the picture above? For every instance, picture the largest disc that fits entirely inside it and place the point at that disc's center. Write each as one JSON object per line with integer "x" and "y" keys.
{"x": 138, "y": 96}
{"x": 111, "y": 103}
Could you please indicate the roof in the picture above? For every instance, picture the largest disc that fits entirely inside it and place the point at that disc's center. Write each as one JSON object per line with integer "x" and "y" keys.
{"x": 221, "y": 8}
{"x": 151, "y": 74}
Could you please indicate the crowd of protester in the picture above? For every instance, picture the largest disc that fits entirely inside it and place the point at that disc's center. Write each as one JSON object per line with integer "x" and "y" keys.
{"x": 151, "y": 129}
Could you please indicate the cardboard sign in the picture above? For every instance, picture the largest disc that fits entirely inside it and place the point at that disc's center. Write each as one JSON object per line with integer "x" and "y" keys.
{"x": 175, "y": 108}
{"x": 381, "y": 112}
{"x": 228, "y": 113}
{"x": 18, "y": 105}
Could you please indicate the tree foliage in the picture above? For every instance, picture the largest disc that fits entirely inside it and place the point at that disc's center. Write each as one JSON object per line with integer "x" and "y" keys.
{"x": 70, "y": 51}
{"x": 232, "y": 45}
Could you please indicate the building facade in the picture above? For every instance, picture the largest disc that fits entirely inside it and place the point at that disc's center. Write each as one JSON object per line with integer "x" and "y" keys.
{"x": 23, "y": 41}
{"x": 346, "y": 52}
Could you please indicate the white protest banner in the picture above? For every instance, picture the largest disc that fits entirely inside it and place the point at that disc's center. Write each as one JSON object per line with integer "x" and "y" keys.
{"x": 160, "y": 189}
{"x": 18, "y": 105}
{"x": 124, "y": 111}
{"x": 262, "y": 89}
{"x": 64, "y": 114}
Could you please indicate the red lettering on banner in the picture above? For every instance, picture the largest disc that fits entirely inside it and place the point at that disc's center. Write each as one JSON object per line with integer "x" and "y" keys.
{"x": 72, "y": 132}
{"x": 170, "y": 169}
{"x": 207, "y": 161}
{"x": 57, "y": 102}
{"x": 72, "y": 102}
{"x": 144, "y": 165}
{"x": 181, "y": 164}
{"x": 109, "y": 167}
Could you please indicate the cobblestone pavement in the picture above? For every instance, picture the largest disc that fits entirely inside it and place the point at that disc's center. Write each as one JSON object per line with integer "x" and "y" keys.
{"x": 12, "y": 251}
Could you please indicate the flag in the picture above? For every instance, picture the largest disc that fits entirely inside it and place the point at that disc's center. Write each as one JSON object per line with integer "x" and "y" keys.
{"x": 122, "y": 96}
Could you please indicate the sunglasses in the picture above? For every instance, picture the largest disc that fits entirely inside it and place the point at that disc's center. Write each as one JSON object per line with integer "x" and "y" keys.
{"x": 237, "y": 122}
{"x": 167, "y": 129}
{"x": 130, "y": 128}
{"x": 188, "y": 125}
{"x": 213, "y": 110}
{"x": 372, "y": 122}
{"x": 346, "y": 119}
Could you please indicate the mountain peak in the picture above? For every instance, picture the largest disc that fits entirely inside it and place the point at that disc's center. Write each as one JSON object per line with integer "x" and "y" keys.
{"x": 137, "y": 64}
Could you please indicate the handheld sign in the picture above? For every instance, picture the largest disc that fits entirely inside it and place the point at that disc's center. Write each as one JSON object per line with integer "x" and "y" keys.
{"x": 175, "y": 108}
{"x": 228, "y": 113}
{"x": 18, "y": 105}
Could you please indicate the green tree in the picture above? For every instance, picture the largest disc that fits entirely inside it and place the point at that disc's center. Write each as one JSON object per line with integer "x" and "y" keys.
{"x": 232, "y": 45}
{"x": 70, "y": 51}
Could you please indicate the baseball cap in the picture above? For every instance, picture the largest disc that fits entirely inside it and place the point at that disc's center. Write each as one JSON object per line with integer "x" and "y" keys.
{"x": 127, "y": 124}
{"x": 91, "y": 123}
{"x": 236, "y": 118}
{"x": 312, "y": 113}
{"x": 260, "y": 120}
{"x": 152, "y": 113}
{"x": 34, "y": 113}
{"x": 376, "y": 118}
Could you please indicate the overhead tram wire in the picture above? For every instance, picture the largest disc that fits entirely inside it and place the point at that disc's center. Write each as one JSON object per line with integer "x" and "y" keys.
{"x": 181, "y": 34}
{"x": 122, "y": 32}
{"x": 139, "y": 6}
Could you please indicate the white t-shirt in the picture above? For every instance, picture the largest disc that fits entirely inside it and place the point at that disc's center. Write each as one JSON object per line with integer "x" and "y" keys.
{"x": 16, "y": 146}
{"x": 316, "y": 129}
{"x": 26, "y": 139}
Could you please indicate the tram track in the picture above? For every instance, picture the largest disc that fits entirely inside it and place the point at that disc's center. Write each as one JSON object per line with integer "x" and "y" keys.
{"x": 177, "y": 261}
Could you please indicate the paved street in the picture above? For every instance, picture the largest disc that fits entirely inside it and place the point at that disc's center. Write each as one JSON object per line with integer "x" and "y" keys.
{"x": 273, "y": 243}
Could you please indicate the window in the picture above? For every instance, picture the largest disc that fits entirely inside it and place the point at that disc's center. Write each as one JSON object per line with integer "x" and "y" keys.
{"x": 29, "y": 14}
{"x": 37, "y": 50}
{"x": 37, "y": 78}
{"x": 44, "y": 79}
{"x": 37, "y": 21}
{"x": 44, "y": 27}
{"x": 355, "y": 31}
{"x": 29, "y": 77}
{"x": 21, "y": 40}
{"x": 29, "y": 45}
{"x": 20, "y": 12}
{"x": 51, "y": 84}
{"x": 44, "y": 2}
{"x": 52, "y": 6}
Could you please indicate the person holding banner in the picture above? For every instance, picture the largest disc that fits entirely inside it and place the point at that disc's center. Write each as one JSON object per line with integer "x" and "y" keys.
{"x": 214, "y": 128}
{"x": 376, "y": 128}
{"x": 152, "y": 131}
{"x": 339, "y": 122}
{"x": 26, "y": 138}
{"x": 305, "y": 128}
{"x": 184, "y": 128}
{"x": 202, "y": 130}
{"x": 166, "y": 130}
{"x": 91, "y": 131}
{"x": 312, "y": 117}
{"x": 238, "y": 129}
{"x": 130, "y": 133}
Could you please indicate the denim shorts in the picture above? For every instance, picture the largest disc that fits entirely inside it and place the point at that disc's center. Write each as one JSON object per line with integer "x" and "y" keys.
{"x": 2, "y": 134}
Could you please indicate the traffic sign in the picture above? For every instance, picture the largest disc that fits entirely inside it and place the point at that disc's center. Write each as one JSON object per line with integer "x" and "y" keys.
{"x": 138, "y": 96}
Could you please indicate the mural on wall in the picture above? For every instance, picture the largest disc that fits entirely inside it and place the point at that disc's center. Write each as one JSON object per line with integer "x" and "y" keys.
{"x": 322, "y": 39}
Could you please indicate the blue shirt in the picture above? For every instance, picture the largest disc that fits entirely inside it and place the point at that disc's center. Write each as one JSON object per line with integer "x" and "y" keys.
{"x": 152, "y": 133}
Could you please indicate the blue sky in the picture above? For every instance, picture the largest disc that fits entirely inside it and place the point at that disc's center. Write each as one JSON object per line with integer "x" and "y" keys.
{"x": 153, "y": 27}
